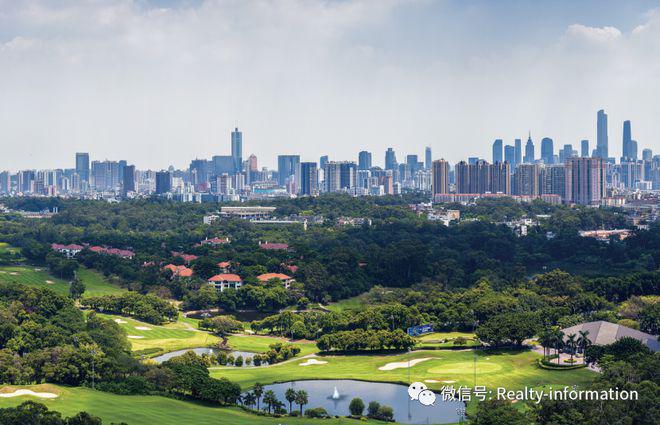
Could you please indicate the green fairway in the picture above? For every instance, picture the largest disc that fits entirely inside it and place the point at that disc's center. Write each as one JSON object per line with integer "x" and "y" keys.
{"x": 354, "y": 303}
{"x": 95, "y": 283}
{"x": 166, "y": 338}
{"x": 6, "y": 248}
{"x": 509, "y": 369}
{"x": 260, "y": 343}
{"x": 147, "y": 410}
{"x": 446, "y": 340}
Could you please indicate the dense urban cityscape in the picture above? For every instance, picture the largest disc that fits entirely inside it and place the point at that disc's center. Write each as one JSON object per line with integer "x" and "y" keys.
{"x": 585, "y": 176}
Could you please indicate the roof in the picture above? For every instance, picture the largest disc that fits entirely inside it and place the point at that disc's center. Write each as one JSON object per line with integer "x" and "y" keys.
{"x": 270, "y": 245}
{"x": 605, "y": 333}
{"x": 268, "y": 276}
{"x": 224, "y": 264}
{"x": 186, "y": 257}
{"x": 181, "y": 271}
{"x": 214, "y": 241}
{"x": 112, "y": 251}
{"x": 226, "y": 277}
{"x": 72, "y": 247}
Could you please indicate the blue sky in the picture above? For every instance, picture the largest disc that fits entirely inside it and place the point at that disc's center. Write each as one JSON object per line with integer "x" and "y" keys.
{"x": 162, "y": 82}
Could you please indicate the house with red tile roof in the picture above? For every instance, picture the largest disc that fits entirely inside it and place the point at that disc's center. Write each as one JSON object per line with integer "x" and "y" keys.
{"x": 179, "y": 271}
{"x": 267, "y": 277}
{"x": 69, "y": 251}
{"x": 186, "y": 257}
{"x": 223, "y": 281}
{"x": 224, "y": 266}
{"x": 273, "y": 246}
{"x": 123, "y": 253}
{"x": 290, "y": 267}
{"x": 215, "y": 241}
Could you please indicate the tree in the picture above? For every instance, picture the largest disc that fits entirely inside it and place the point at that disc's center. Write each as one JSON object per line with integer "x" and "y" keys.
{"x": 356, "y": 407}
{"x": 258, "y": 391}
{"x": 546, "y": 341}
{"x": 385, "y": 413}
{"x": 649, "y": 318}
{"x": 290, "y": 396}
{"x": 76, "y": 288}
{"x": 572, "y": 344}
{"x": 249, "y": 399}
{"x": 302, "y": 399}
{"x": 372, "y": 409}
{"x": 298, "y": 329}
{"x": 270, "y": 399}
{"x": 583, "y": 342}
{"x": 499, "y": 412}
{"x": 557, "y": 338}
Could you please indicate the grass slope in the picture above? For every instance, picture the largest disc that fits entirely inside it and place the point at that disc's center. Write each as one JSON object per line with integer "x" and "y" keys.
{"x": 148, "y": 410}
{"x": 509, "y": 369}
{"x": 170, "y": 337}
{"x": 259, "y": 343}
{"x": 95, "y": 283}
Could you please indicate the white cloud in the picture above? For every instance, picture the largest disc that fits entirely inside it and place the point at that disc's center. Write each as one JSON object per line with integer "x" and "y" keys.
{"x": 593, "y": 34}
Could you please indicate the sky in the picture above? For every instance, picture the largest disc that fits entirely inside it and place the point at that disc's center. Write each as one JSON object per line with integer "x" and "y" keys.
{"x": 159, "y": 83}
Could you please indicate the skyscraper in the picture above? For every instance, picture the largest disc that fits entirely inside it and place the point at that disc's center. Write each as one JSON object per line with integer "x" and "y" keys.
{"x": 348, "y": 175}
{"x": 440, "y": 177}
{"x": 547, "y": 150}
{"x": 552, "y": 180}
{"x": 566, "y": 152}
{"x": 647, "y": 154}
{"x": 82, "y": 168}
{"x": 364, "y": 160}
{"x": 462, "y": 176}
{"x": 332, "y": 173}
{"x": 510, "y": 155}
{"x": 288, "y": 168}
{"x": 584, "y": 148}
{"x": 497, "y": 151}
{"x": 253, "y": 165}
{"x": 500, "y": 178}
{"x": 527, "y": 180}
{"x": 413, "y": 164}
{"x": 390, "y": 159}
{"x": 585, "y": 181}
{"x": 518, "y": 145}
{"x": 322, "y": 161}
{"x": 601, "y": 135}
{"x": 163, "y": 182}
{"x": 128, "y": 179}
{"x": 427, "y": 158}
{"x": 237, "y": 149}
{"x": 309, "y": 179}
{"x": 529, "y": 151}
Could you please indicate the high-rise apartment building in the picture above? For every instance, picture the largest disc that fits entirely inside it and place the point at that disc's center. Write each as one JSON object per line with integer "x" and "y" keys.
{"x": 500, "y": 178}
{"x": 552, "y": 180}
{"x": 526, "y": 180}
{"x": 309, "y": 179}
{"x": 497, "y": 151}
{"x": 440, "y": 177}
{"x": 585, "y": 181}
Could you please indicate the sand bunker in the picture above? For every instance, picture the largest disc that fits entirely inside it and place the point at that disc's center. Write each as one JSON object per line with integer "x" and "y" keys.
{"x": 22, "y": 392}
{"x": 249, "y": 331}
{"x": 431, "y": 381}
{"x": 404, "y": 365}
{"x": 37, "y": 270}
{"x": 311, "y": 362}
{"x": 50, "y": 282}
{"x": 120, "y": 321}
{"x": 142, "y": 328}
{"x": 3, "y": 272}
{"x": 13, "y": 273}
{"x": 134, "y": 336}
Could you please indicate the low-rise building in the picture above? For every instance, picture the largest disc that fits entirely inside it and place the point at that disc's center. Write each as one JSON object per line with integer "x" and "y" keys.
{"x": 69, "y": 251}
{"x": 267, "y": 277}
{"x": 224, "y": 281}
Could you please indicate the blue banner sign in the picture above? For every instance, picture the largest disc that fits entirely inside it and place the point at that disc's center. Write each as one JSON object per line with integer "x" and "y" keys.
{"x": 420, "y": 330}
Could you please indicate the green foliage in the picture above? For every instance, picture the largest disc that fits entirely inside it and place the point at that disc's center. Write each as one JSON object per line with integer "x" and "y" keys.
{"x": 30, "y": 412}
{"x": 148, "y": 308}
{"x": 359, "y": 340}
{"x": 356, "y": 407}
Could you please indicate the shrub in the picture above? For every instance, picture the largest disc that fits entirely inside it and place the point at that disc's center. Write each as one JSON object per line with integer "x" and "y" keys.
{"x": 316, "y": 412}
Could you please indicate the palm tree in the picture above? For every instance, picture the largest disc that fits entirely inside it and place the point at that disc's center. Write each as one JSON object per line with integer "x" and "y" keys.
{"x": 558, "y": 340}
{"x": 583, "y": 342}
{"x": 570, "y": 341}
{"x": 290, "y": 396}
{"x": 302, "y": 399}
{"x": 258, "y": 391}
{"x": 249, "y": 399}
{"x": 545, "y": 339}
{"x": 270, "y": 399}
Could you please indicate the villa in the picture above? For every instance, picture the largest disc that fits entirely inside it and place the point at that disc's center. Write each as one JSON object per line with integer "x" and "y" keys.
{"x": 223, "y": 281}
{"x": 267, "y": 277}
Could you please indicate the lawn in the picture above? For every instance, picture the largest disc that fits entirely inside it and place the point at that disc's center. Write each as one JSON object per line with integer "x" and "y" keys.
{"x": 6, "y": 248}
{"x": 95, "y": 283}
{"x": 446, "y": 340}
{"x": 509, "y": 369}
{"x": 354, "y": 303}
{"x": 169, "y": 337}
{"x": 147, "y": 410}
{"x": 260, "y": 343}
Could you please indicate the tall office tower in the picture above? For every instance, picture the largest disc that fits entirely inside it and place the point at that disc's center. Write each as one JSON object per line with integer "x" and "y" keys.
{"x": 128, "y": 180}
{"x": 526, "y": 179}
{"x": 584, "y": 148}
{"x": 309, "y": 179}
{"x": 413, "y": 164}
{"x": 427, "y": 158}
{"x": 585, "y": 181}
{"x": 647, "y": 154}
{"x": 105, "y": 175}
{"x": 200, "y": 170}
{"x": 322, "y": 161}
{"x": 552, "y": 180}
{"x": 163, "y": 182}
{"x": 627, "y": 139}
{"x": 462, "y": 176}
{"x": 252, "y": 163}
{"x": 440, "y": 177}
{"x": 82, "y": 167}
{"x": 519, "y": 157}
{"x": 500, "y": 178}
{"x": 567, "y": 152}
{"x": 632, "y": 150}
{"x": 473, "y": 160}
{"x": 364, "y": 160}
{"x": 5, "y": 181}
{"x": 631, "y": 173}
{"x": 348, "y": 175}
{"x": 529, "y": 151}
{"x": 547, "y": 150}
{"x": 332, "y": 173}
{"x": 288, "y": 169}
{"x": 497, "y": 151}
{"x": 390, "y": 159}
{"x": 510, "y": 155}
{"x": 237, "y": 149}
{"x": 601, "y": 135}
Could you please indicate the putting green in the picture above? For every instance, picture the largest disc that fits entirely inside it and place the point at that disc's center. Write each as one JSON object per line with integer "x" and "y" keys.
{"x": 463, "y": 367}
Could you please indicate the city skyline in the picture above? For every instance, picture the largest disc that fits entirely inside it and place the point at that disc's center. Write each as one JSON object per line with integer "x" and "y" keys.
{"x": 160, "y": 83}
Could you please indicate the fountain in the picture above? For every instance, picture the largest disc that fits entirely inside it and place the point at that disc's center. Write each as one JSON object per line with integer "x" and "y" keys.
{"x": 335, "y": 394}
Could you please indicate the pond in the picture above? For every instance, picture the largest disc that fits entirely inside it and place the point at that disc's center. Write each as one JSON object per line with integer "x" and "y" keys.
{"x": 394, "y": 395}
{"x": 202, "y": 350}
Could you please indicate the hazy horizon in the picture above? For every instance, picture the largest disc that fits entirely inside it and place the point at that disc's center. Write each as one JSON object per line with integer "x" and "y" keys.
{"x": 160, "y": 83}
